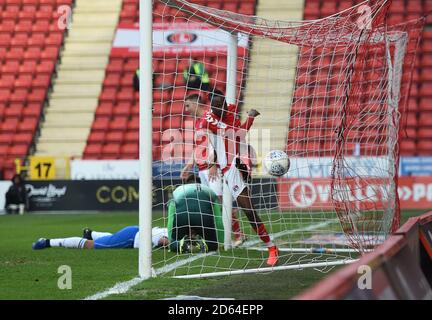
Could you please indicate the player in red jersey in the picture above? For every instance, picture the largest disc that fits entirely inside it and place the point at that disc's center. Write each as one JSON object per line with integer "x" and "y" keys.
{"x": 225, "y": 132}
{"x": 195, "y": 107}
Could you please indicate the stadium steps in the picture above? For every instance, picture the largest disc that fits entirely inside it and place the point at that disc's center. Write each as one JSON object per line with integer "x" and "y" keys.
{"x": 270, "y": 80}
{"x": 76, "y": 90}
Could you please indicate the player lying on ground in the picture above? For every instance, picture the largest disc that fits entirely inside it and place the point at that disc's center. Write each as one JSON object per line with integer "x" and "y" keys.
{"x": 224, "y": 129}
{"x": 194, "y": 220}
{"x": 197, "y": 109}
{"x": 127, "y": 237}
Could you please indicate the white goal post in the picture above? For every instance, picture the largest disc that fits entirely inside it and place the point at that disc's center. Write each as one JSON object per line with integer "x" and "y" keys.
{"x": 145, "y": 139}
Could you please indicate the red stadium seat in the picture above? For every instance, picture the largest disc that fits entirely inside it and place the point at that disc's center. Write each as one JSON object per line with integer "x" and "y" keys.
{"x": 425, "y": 120}
{"x": 92, "y": 151}
{"x": 32, "y": 112}
{"x": 410, "y": 133}
{"x": 50, "y": 53}
{"x": 115, "y": 66}
{"x": 133, "y": 124}
{"x": 11, "y": 67}
{"x": 15, "y": 54}
{"x": 126, "y": 95}
{"x": 115, "y": 137}
{"x": 37, "y": 95}
{"x": 40, "y": 26}
{"x": 14, "y": 110}
{"x": 130, "y": 150}
{"x": 156, "y": 124}
{"x": 4, "y": 150}
{"x": 122, "y": 109}
{"x": 424, "y": 133}
{"x": 112, "y": 80}
{"x": 54, "y": 40}
{"x": 28, "y": 67}
{"x": 23, "y": 138}
{"x": 104, "y": 109}
{"x": 19, "y": 40}
{"x": 7, "y": 27}
{"x": 118, "y": 124}
{"x": 41, "y": 81}
{"x": 424, "y": 147}
{"x": 24, "y": 26}
{"x": 101, "y": 124}
{"x": 23, "y": 81}
{"x": 6, "y": 138}
{"x": 28, "y": 125}
{"x": 108, "y": 95}
{"x": 156, "y": 138}
{"x": 45, "y": 67}
{"x": 111, "y": 150}
{"x": 131, "y": 136}
{"x": 7, "y": 81}
{"x": 9, "y": 126}
{"x": 408, "y": 147}
{"x": 96, "y": 137}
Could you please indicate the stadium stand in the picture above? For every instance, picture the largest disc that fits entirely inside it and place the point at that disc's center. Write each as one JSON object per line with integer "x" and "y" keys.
{"x": 114, "y": 133}
{"x": 77, "y": 86}
{"x": 416, "y": 140}
{"x": 30, "y": 42}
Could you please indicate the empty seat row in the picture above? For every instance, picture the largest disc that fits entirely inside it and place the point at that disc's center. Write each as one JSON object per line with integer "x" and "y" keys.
{"x": 418, "y": 119}
{"x": 163, "y": 13}
{"x": 30, "y": 42}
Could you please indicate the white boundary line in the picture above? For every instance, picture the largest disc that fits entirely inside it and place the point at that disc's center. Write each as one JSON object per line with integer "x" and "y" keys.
{"x": 118, "y": 288}
{"x": 123, "y": 287}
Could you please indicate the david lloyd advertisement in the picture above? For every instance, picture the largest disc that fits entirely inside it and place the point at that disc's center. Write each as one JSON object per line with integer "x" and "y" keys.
{"x": 66, "y": 195}
{"x": 120, "y": 195}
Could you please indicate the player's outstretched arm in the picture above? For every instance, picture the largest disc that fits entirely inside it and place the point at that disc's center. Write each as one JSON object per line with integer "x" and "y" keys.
{"x": 213, "y": 173}
{"x": 252, "y": 114}
{"x": 184, "y": 174}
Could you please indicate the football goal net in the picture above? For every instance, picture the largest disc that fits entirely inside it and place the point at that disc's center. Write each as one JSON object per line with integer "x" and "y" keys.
{"x": 331, "y": 94}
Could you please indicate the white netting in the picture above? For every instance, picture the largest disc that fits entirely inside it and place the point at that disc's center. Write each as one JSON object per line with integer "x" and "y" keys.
{"x": 330, "y": 92}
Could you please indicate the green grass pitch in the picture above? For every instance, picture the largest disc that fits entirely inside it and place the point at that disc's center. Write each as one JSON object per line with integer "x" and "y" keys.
{"x": 28, "y": 274}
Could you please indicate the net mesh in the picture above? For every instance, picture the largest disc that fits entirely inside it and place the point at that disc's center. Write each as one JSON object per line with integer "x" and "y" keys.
{"x": 332, "y": 94}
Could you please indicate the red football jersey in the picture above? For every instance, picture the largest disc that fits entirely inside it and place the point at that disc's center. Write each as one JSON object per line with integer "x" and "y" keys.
{"x": 225, "y": 135}
{"x": 201, "y": 150}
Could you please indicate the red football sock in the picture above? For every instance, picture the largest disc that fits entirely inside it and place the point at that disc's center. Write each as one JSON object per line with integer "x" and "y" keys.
{"x": 235, "y": 225}
{"x": 262, "y": 233}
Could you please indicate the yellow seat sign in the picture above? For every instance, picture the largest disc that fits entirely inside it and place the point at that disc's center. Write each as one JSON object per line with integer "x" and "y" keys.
{"x": 42, "y": 168}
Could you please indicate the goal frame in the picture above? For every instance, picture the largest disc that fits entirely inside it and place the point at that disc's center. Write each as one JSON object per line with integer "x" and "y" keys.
{"x": 145, "y": 138}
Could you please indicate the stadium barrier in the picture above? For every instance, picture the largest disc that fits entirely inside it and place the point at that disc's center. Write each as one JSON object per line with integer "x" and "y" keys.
{"x": 87, "y": 195}
{"x": 118, "y": 195}
{"x": 400, "y": 268}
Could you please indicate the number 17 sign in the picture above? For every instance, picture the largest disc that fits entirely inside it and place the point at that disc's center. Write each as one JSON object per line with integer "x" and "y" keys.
{"x": 42, "y": 168}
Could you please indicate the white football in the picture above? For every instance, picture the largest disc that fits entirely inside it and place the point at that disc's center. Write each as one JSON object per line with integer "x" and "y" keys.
{"x": 277, "y": 163}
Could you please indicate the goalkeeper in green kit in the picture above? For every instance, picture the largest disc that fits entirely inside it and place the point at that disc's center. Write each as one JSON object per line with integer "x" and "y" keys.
{"x": 194, "y": 219}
